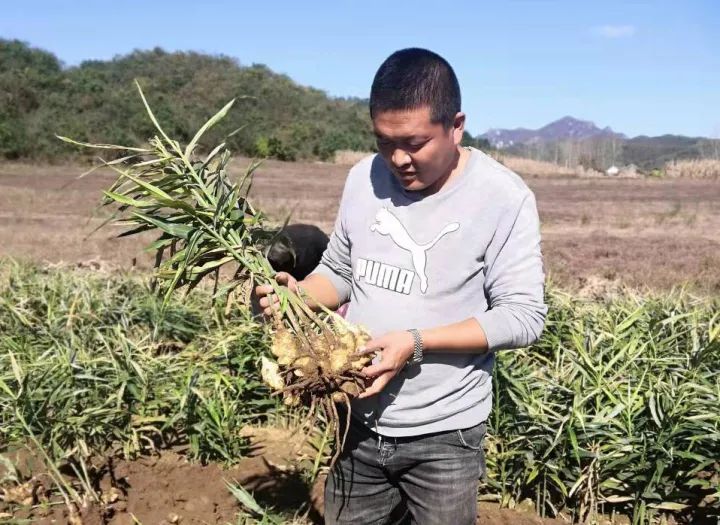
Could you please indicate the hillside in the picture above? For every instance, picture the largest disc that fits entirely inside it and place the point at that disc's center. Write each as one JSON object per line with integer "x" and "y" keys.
{"x": 97, "y": 102}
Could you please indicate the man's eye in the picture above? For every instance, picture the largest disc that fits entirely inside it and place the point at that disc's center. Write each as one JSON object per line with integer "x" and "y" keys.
{"x": 410, "y": 146}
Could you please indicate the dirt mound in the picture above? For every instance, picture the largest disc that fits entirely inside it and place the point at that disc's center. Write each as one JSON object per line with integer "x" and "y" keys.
{"x": 492, "y": 514}
{"x": 167, "y": 489}
{"x": 170, "y": 488}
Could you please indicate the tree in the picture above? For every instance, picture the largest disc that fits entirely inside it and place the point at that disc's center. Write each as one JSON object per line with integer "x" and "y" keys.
{"x": 96, "y": 101}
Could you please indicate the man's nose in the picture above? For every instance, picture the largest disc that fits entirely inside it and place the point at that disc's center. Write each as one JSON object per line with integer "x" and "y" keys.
{"x": 400, "y": 158}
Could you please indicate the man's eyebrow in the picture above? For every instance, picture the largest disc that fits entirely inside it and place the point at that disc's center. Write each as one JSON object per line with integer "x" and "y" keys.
{"x": 408, "y": 138}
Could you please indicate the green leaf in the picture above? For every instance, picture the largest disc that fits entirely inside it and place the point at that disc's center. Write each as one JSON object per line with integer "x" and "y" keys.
{"x": 668, "y": 505}
{"x": 178, "y": 230}
{"x": 102, "y": 146}
{"x": 244, "y": 498}
{"x": 209, "y": 124}
{"x": 123, "y": 199}
{"x": 152, "y": 115}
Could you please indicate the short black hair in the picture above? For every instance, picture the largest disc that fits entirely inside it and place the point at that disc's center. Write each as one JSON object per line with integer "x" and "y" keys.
{"x": 413, "y": 78}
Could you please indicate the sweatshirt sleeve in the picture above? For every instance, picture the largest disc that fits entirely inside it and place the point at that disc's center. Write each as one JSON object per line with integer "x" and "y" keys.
{"x": 335, "y": 263}
{"x": 514, "y": 280}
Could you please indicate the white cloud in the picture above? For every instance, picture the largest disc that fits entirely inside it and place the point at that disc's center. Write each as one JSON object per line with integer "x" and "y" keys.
{"x": 614, "y": 31}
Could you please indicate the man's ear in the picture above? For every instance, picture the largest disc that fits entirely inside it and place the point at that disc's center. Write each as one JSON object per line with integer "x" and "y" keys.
{"x": 458, "y": 128}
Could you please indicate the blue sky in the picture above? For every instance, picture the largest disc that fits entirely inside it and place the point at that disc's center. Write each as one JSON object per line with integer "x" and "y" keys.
{"x": 641, "y": 67}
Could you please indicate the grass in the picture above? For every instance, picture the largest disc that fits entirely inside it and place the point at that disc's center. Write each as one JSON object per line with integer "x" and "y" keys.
{"x": 93, "y": 363}
{"x": 537, "y": 168}
{"x": 349, "y": 157}
{"x": 613, "y": 411}
{"x": 694, "y": 169}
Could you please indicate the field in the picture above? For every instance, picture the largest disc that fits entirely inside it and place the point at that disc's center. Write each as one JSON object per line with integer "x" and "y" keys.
{"x": 598, "y": 234}
{"x": 612, "y": 412}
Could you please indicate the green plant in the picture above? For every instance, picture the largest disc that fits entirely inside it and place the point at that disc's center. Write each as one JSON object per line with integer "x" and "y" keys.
{"x": 274, "y": 147}
{"x": 91, "y": 363}
{"x": 615, "y": 409}
{"x": 207, "y": 223}
{"x": 253, "y": 513}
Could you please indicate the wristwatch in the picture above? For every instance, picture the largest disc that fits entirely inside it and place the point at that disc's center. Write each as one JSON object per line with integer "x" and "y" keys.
{"x": 417, "y": 355}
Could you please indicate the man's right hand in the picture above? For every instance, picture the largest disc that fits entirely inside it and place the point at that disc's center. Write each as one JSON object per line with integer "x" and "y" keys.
{"x": 267, "y": 299}
{"x": 315, "y": 289}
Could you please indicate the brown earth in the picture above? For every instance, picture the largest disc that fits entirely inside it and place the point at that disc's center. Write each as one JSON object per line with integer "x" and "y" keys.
{"x": 597, "y": 233}
{"x": 167, "y": 489}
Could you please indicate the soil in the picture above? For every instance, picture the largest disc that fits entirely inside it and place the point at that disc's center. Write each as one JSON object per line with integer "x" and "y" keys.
{"x": 597, "y": 233}
{"x": 167, "y": 489}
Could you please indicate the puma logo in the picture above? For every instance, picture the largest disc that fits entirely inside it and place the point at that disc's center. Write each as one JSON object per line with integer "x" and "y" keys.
{"x": 387, "y": 224}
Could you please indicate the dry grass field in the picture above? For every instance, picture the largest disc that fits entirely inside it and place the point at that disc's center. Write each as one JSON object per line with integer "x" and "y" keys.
{"x": 598, "y": 234}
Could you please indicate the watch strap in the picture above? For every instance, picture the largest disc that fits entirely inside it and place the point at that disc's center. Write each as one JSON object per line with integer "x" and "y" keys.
{"x": 417, "y": 355}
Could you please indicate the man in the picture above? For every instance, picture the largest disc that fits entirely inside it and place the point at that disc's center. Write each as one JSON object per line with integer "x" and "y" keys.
{"x": 437, "y": 248}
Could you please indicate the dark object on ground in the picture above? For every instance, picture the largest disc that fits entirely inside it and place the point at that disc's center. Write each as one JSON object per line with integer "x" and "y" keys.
{"x": 298, "y": 249}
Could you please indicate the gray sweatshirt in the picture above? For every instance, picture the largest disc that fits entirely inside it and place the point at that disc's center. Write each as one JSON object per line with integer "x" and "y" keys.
{"x": 471, "y": 250}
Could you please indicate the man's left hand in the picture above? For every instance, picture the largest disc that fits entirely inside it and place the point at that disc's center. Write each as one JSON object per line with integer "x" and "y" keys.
{"x": 394, "y": 349}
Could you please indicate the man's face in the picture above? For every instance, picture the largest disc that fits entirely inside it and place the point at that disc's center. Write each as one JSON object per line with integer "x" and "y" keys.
{"x": 420, "y": 153}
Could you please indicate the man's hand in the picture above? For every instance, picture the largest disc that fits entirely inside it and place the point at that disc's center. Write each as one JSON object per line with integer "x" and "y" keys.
{"x": 394, "y": 349}
{"x": 267, "y": 299}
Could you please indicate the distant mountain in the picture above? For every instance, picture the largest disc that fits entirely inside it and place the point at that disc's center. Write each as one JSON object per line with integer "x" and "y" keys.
{"x": 566, "y": 128}
{"x": 572, "y": 142}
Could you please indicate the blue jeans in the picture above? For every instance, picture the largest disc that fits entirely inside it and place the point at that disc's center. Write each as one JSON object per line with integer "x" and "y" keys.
{"x": 426, "y": 480}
